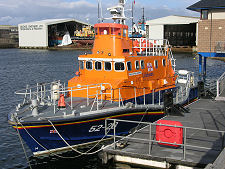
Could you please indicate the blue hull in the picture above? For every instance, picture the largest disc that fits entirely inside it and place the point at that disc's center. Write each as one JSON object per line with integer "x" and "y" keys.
{"x": 79, "y": 132}
{"x": 40, "y": 135}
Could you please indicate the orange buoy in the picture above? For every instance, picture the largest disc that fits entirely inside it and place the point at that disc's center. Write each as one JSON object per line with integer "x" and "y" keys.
{"x": 61, "y": 102}
{"x": 77, "y": 73}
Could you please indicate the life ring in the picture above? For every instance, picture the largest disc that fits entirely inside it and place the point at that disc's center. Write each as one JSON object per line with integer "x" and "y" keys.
{"x": 141, "y": 45}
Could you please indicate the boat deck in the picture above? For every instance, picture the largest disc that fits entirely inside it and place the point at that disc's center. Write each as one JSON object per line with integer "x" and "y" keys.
{"x": 204, "y": 114}
{"x": 78, "y": 107}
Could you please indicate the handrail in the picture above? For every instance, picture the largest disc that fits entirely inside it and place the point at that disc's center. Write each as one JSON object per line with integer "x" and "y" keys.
{"x": 154, "y": 47}
{"x": 220, "y": 84}
{"x": 184, "y": 145}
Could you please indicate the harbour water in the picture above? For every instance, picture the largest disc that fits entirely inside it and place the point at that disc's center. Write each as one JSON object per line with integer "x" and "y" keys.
{"x": 21, "y": 67}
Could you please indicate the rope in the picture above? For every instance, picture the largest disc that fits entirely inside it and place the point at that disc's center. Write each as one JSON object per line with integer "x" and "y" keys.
{"x": 18, "y": 133}
{"x": 81, "y": 153}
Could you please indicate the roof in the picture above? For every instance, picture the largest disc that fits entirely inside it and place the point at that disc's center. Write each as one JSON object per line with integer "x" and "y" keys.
{"x": 8, "y": 27}
{"x": 207, "y": 4}
{"x": 55, "y": 21}
{"x": 111, "y": 25}
{"x": 172, "y": 20}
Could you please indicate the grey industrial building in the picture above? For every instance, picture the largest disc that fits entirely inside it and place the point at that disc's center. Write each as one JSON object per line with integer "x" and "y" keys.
{"x": 179, "y": 30}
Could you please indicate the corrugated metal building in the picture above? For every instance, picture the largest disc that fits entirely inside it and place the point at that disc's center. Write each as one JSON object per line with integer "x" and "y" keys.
{"x": 46, "y": 33}
{"x": 179, "y": 30}
{"x": 8, "y": 36}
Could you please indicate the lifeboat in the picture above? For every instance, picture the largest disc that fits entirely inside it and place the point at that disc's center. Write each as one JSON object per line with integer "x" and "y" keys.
{"x": 122, "y": 78}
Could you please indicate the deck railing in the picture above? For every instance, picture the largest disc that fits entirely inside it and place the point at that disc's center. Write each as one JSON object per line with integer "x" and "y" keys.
{"x": 150, "y": 139}
{"x": 220, "y": 47}
{"x": 150, "y": 47}
{"x": 49, "y": 93}
{"x": 153, "y": 47}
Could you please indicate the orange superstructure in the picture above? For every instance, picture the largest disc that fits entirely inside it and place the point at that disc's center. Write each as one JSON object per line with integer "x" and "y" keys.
{"x": 115, "y": 60}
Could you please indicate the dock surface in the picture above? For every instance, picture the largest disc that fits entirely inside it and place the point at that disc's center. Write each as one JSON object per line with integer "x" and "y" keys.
{"x": 201, "y": 147}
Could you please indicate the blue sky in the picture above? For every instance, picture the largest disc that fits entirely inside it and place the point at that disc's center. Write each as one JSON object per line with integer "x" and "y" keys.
{"x": 13, "y": 12}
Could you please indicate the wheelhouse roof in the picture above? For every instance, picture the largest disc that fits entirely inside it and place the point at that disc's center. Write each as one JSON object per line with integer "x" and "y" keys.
{"x": 207, "y": 4}
{"x": 110, "y": 25}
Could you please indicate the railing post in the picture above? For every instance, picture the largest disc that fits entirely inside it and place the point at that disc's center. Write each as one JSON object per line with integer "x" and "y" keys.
{"x": 159, "y": 97}
{"x": 87, "y": 96}
{"x": 153, "y": 96}
{"x": 41, "y": 92}
{"x": 114, "y": 133}
{"x": 97, "y": 100}
{"x": 222, "y": 141}
{"x": 184, "y": 144}
{"x": 37, "y": 92}
{"x": 218, "y": 88}
{"x": 30, "y": 94}
{"x": 71, "y": 98}
{"x": 144, "y": 95}
{"x": 150, "y": 139}
{"x": 106, "y": 127}
{"x": 135, "y": 96}
{"x": 54, "y": 105}
{"x": 111, "y": 94}
{"x": 119, "y": 97}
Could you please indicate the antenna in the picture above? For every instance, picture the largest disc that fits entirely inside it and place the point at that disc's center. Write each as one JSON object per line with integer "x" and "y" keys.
{"x": 100, "y": 18}
{"x": 117, "y": 12}
{"x": 98, "y": 13}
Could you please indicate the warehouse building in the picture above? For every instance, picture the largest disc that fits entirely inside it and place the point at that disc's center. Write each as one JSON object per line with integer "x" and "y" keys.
{"x": 8, "y": 36}
{"x": 179, "y": 30}
{"x": 46, "y": 33}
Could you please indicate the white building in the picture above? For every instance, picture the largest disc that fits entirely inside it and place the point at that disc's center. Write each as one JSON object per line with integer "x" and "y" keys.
{"x": 179, "y": 30}
{"x": 41, "y": 33}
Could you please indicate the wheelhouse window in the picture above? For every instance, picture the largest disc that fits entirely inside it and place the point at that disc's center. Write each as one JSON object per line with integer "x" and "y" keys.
{"x": 81, "y": 64}
{"x": 125, "y": 50}
{"x": 104, "y": 31}
{"x": 108, "y": 66}
{"x": 124, "y": 32}
{"x": 129, "y": 66}
{"x": 119, "y": 66}
{"x": 137, "y": 66}
{"x": 89, "y": 65}
{"x": 204, "y": 14}
{"x": 116, "y": 31}
{"x": 164, "y": 62}
{"x": 142, "y": 64}
{"x": 156, "y": 63}
{"x": 98, "y": 65}
{"x": 96, "y": 31}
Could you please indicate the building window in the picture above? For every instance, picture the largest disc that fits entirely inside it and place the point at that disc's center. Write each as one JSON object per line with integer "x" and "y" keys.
{"x": 204, "y": 14}
{"x": 142, "y": 64}
{"x": 129, "y": 66}
{"x": 81, "y": 64}
{"x": 164, "y": 62}
{"x": 89, "y": 65}
{"x": 137, "y": 66}
{"x": 98, "y": 65}
{"x": 108, "y": 66}
{"x": 119, "y": 66}
{"x": 156, "y": 63}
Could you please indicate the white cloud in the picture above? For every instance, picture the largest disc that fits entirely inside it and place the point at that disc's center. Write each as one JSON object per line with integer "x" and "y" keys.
{"x": 18, "y": 11}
